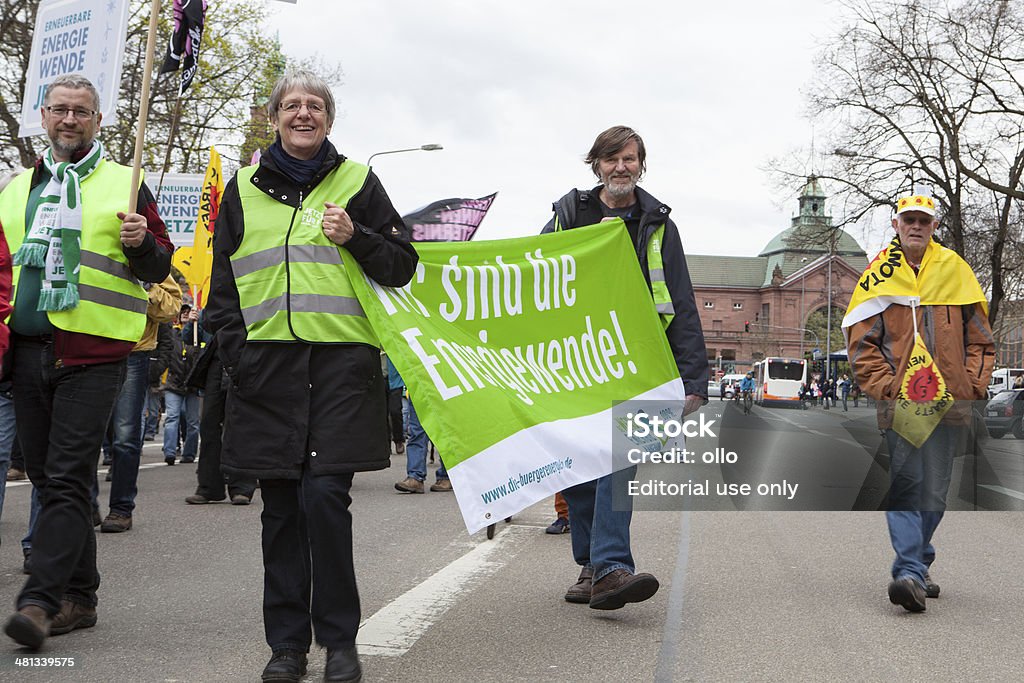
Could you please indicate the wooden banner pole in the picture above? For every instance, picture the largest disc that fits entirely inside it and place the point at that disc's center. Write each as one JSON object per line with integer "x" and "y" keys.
{"x": 140, "y": 133}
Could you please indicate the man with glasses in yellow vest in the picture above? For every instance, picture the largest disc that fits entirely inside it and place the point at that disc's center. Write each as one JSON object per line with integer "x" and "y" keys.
{"x": 79, "y": 309}
{"x": 599, "y": 533}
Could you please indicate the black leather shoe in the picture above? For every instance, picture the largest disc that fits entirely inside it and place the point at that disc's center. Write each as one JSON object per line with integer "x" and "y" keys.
{"x": 285, "y": 666}
{"x": 343, "y": 665}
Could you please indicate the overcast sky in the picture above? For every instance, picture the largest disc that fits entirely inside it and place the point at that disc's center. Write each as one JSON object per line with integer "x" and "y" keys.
{"x": 517, "y": 91}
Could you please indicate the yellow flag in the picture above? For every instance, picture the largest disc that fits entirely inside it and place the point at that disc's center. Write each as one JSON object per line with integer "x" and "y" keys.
{"x": 923, "y": 397}
{"x": 202, "y": 249}
{"x": 182, "y": 260}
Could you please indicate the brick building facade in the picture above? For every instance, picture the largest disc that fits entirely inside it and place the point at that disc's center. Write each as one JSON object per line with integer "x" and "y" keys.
{"x": 756, "y": 306}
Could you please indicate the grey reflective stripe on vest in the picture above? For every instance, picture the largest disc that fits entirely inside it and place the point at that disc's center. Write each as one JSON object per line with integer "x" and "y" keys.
{"x": 98, "y": 295}
{"x": 302, "y": 303}
{"x": 296, "y": 253}
{"x": 658, "y": 274}
{"x": 108, "y": 265}
{"x": 665, "y": 309}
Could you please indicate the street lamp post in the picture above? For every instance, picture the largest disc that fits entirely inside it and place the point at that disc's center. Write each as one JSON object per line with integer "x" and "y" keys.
{"x": 803, "y": 311}
{"x": 422, "y": 148}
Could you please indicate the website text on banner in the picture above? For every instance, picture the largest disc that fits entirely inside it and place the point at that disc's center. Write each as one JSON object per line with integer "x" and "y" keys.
{"x": 514, "y": 352}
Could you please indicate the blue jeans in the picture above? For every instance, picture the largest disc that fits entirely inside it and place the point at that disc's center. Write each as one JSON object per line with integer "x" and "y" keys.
{"x": 126, "y": 448}
{"x": 7, "y": 431}
{"x": 33, "y": 515}
{"x": 416, "y": 449}
{"x": 599, "y": 533}
{"x": 176, "y": 404}
{"x": 919, "y": 480}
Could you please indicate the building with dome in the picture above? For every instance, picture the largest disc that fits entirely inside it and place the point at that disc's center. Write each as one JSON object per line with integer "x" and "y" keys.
{"x": 757, "y": 306}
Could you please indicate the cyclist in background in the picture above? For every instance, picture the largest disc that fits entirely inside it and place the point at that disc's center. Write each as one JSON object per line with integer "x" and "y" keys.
{"x": 747, "y": 389}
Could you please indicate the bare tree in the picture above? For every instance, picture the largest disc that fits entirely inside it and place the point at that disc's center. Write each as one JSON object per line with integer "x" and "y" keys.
{"x": 932, "y": 91}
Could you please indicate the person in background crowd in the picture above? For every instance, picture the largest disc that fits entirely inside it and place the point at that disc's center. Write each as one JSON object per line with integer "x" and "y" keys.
{"x": 416, "y": 461}
{"x": 212, "y": 481}
{"x": 844, "y": 390}
{"x": 181, "y": 401}
{"x": 126, "y": 446}
{"x": 561, "y": 523}
{"x": 396, "y": 412}
{"x": 159, "y": 361}
{"x": 78, "y": 312}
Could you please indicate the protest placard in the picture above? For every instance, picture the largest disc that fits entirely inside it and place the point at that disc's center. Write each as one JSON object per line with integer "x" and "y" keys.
{"x": 83, "y": 37}
{"x": 514, "y": 352}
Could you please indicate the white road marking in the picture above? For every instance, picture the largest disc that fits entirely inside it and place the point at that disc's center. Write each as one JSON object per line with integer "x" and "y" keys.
{"x": 396, "y": 627}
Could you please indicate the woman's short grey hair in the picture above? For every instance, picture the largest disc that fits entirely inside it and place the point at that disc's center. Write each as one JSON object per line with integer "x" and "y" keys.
{"x": 73, "y": 82}
{"x": 301, "y": 80}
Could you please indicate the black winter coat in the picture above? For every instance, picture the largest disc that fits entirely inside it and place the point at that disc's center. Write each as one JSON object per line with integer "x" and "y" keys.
{"x": 183, "y": 359}
{"x": 292, "y": 404}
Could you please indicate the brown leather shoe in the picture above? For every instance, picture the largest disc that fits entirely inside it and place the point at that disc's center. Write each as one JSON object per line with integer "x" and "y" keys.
{"x": 115, "y": 523}
{"x": 14, "y": 474}
{"x": 399, "y": 447}
{"x": 240, "y": 499}
{"x": 442, "y": 485}
{"x": 29, "y": 626}
{"x": 71, "y": 616}
{"x": 410, "y": 485}
{"x": 619, "y": 587}
{"x": 579, "y": 592}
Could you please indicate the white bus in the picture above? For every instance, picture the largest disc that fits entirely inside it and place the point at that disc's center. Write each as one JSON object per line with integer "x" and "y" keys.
{"x": 778, "y": 380}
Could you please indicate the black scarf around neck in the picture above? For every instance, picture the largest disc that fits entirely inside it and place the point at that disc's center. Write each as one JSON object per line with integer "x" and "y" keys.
{"x": 299, "y": 170}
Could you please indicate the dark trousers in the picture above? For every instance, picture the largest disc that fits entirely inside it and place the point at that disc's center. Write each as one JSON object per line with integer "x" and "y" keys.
{"x": 62, "y": 417}
{"x": 308, "y": 574}
{"x": 211, "y": 429}
{"x": 395, "y": 414}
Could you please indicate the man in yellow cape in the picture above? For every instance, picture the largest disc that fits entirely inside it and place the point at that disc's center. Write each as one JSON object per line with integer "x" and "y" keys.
{"x": 920, "y": 344}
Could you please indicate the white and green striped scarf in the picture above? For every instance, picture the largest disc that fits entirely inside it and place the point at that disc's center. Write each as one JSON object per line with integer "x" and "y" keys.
{"x": 54, "y": 241}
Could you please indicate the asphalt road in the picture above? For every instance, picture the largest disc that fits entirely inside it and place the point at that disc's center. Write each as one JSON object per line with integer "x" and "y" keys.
{"x": 753, "y": 595}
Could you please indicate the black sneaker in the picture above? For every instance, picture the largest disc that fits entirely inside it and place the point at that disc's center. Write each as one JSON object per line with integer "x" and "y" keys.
{"x": 906, "y": 591}
{"x": 285, "y": 666}
{"x": 559, "y": 526}
{"x": 930, "y": 589}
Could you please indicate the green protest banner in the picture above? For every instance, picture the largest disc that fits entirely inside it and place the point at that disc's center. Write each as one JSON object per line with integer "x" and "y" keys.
{"x": 514, "y": 352}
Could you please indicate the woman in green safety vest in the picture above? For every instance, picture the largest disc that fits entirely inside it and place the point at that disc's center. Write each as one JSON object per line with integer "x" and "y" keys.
{"x": 307, "y": 401}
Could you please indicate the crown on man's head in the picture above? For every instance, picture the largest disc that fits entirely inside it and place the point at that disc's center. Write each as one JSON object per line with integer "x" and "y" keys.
{"x": 920, "y": 200}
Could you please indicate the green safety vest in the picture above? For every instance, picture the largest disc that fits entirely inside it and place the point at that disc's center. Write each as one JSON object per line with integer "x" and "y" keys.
{"x": 656, "y": 268}
{"x": 112, "y": 302}
{"x": 292, "y": 284}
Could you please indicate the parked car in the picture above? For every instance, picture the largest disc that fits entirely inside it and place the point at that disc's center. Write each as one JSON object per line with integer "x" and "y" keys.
{"x": 714, "y": 389}
{"x": 731, "y": 384}
{"x": 1004, "y": 412}
{"x": 1003, "y": 379}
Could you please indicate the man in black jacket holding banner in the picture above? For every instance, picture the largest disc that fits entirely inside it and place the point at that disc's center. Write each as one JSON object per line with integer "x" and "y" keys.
{"x": 600, "y": 534}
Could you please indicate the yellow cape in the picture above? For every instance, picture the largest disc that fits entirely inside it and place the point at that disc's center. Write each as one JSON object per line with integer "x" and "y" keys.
{"x": 944, "y": 279}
